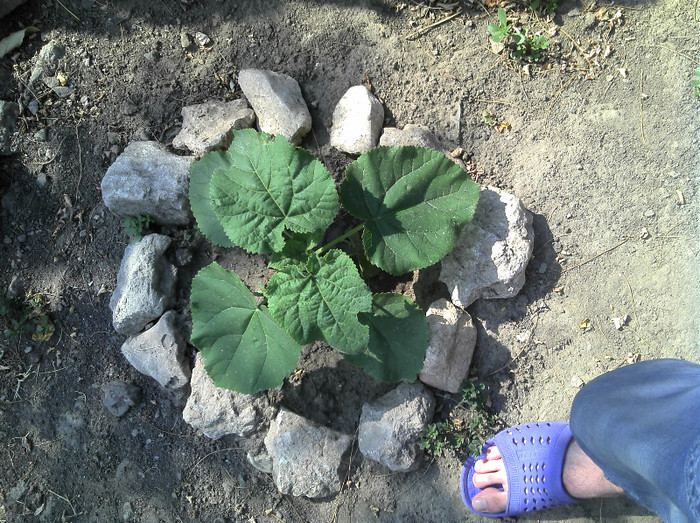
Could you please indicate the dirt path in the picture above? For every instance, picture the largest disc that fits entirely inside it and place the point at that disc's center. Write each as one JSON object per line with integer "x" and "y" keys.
{"x": 601, "y": 146}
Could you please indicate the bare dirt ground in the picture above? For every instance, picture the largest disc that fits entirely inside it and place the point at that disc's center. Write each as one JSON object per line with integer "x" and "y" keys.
{"x": 601, "y": 146}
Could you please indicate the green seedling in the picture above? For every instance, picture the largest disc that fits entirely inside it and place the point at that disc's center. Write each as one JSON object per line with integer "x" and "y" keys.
{"x": 695, "y": 82}
{"x": 268, "y": 197}
{"x": 136, "y": 226}
{"x": 468, "y": 426}
{"x": 500, "y": 31}
{"x": 529, "y": 47}
{"x": 548, "y": 7}
{"x": 27, "y": 316}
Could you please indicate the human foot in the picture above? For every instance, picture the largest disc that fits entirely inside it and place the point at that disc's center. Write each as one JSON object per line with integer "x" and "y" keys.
{"x": 581, "y": 479}
{"x": 528, "y": 468}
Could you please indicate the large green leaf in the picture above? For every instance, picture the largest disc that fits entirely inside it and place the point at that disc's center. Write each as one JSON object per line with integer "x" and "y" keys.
{"x": 398, "y": 338}
{"x": 268, "y": 186}
{"x": 415, "y": 202}
{"x": 243, "y": 348}
{"x": 200, "y": 196}
{"x": 319, "y": 298}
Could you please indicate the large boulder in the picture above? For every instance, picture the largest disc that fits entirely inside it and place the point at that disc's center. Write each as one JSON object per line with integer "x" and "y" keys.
{"x": 492, "y": 251}
{"x": 218, "y": 412}
{"x": 307, "y": 459}
{"x": 160, "y": 353}
{"x": 148, "y": 179}
{"x": 357, "y": 121}
{"x": 210, "y": 125}
{"x": 451, "y": 342}
{"x": 145, "y": 285}
{"x": 277, "y": 101}
{"x": 391, "y": 426}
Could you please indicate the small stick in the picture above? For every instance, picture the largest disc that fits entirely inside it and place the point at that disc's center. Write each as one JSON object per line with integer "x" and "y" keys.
{"x": 79, "y": 20}
{"x": 211, "y": 454}
{"x": 64, "y": 499}
{"x": 590, "y": 65}
{"x": 80, "y": 164}
{"x": 424, "y": 30}
{"x": 597, "y": 255}
{"x": 641, "y": 110}
{"x": 342, "y": 487}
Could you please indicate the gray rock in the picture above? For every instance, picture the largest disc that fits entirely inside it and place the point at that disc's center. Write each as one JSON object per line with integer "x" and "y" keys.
{"x": 210, "y": 125}
{"x": 120, "y": 396}
{"x": 452, "y": 338}
{"x": 9, "y": 111}
{"x": 306, "y": 458}
{"x": 357, "y": 121}
{"x": 160, "y": 353}
{"x": 6, "y": 6}
{"x": 218, "y": 412}
{"x": 492, "y": 251}
{"x": 410, "y": 135}
{"x": 390, "y": 427}
{"x": 147, "y": 179}
{"x": 46, "y": 64}
{"x": 145, "y": 285}
{"x": 277, "y": 101}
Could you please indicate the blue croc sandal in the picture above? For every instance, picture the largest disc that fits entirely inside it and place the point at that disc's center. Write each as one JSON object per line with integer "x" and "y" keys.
{"x": 534, "y": 457}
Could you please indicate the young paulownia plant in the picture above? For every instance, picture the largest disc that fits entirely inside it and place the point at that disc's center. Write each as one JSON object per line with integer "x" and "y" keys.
{"x": 269, "y": 197}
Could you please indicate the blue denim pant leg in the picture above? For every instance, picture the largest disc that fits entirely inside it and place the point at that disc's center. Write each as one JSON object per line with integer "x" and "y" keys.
{"x": 641, "y": 425}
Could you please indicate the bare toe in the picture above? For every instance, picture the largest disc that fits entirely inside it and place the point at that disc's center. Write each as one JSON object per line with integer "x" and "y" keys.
{"x": 490, "y": 501}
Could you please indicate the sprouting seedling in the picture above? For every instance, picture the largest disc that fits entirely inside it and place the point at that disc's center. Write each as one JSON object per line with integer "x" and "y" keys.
{"x": 529, "y": 47}
{"x": 500, "y": 31}
{"x": 695, "y": 82}
{"x": 268, "y": 197}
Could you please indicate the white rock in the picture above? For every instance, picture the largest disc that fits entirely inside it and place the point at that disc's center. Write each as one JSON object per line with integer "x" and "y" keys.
{"x": 452, "y": 338}
{"x": 307, "y": 459}
{"x": 147, "y": 179}
{"x": 492, "y": 252}
{"x": 357, "y": 121}
{"x": 160, "y": 353}
{"x": 390, "y": 427}
{"x": 410, "y": 135}
{"x": 210, "y": 125}
{"x": 218, "y": 412}
{"x": 145, "y": 285}
{"x": 277, "y": 101}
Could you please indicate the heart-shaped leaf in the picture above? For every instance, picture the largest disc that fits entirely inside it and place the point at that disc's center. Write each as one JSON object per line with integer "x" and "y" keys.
{"x": 244, "y": 349}
{"x": 319, "y": 298}
{"x": 398, "y": 339}
{"x": 267, "y": 186}
{"x": 200, "y": 196}
{"x": 415, "y": 202}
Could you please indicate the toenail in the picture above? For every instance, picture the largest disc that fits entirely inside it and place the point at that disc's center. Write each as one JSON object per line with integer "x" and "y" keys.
{"x": 480, "y": 504}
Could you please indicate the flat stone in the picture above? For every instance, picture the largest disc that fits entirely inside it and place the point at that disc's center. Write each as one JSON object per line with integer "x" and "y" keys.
{"x": 357, "y": 121}
{"x": 217, "y": 411}
{"x": 120, "y": 396}
{"x": 160, "y": 353}
{"x": 9, "y": 111}
{"x": 277, "y": 101}
{"x": 307, "y": 459}
{"x": 145, "y": 285}
{"x": 391, "y": 426}
{"x": 492, "y": 251}
{"x": 411, "y": 134}
{"x": 148, "y": 179}
{"x": 210, "y": 125}
{"x": 452, "y": 338}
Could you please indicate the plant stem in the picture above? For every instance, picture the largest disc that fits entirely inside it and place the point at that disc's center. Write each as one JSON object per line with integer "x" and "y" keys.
{"x": 340, "y": 238}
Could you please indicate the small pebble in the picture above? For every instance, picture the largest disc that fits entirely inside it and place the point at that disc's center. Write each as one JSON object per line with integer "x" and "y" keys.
{"x": 649, "y": 213}
{"x": 576, "y": 382}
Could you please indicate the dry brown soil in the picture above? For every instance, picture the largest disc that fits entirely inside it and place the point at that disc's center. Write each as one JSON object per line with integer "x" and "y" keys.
{"x": 601, "y": 144}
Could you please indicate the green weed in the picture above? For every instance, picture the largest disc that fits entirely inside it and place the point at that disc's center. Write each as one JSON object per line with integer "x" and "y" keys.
{"x": 136, "y": 226}
{"x": 547, "y": 7}
{"x": 468, "y": 426}
{"x": 26, "y": 315}
{"x": 499, "y": 31}
{"x": 695, "y": 82}
{"x": 529, "y": 47}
